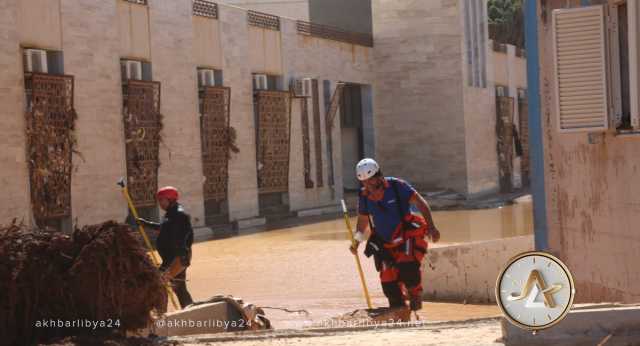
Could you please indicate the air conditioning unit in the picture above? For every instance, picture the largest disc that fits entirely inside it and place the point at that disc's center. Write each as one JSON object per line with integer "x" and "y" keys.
{"x": 522, "y": 94}
{"x": 206, "y": 77}
{"x": 260, "y": 82}
{"x": 501, "y": 91}
{"x": 302, "y": 87}
{"x": 131, "y": 69}
{"x": 35, "y": 60}
{"x": 306, "y": 86}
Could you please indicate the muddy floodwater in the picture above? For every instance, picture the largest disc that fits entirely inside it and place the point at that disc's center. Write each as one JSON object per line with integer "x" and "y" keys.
{"x": 308, "y": 267}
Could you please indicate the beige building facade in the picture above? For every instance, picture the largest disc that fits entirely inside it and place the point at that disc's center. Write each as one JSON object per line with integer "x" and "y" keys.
{"x": 422, "y": 102}
{"x": 435, "y": 93}
{"x": 294, "y": 9}
{"x": 171, "y": 42}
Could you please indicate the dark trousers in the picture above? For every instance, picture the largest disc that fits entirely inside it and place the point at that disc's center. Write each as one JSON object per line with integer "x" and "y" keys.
{"x": 179, "y": 285}
{"x": 407, "y": 273}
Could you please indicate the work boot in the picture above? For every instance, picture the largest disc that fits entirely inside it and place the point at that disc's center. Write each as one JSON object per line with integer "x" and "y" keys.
{"x": 416, "y": 303}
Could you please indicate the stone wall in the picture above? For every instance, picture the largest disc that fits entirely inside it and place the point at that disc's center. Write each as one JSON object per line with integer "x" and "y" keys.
{"x": 468, "y": 272}
{"x": 420, "y": 123}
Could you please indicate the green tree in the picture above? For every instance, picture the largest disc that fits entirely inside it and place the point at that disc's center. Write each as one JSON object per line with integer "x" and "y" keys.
{"x": 506, "y": 21}
{"x": 503, "y": 11}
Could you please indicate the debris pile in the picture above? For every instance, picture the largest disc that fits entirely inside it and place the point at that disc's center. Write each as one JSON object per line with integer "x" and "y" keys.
{"x": 100, "y": 273}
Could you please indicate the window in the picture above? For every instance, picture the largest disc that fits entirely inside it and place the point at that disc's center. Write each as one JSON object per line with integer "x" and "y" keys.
{"x": 580, "y": 69}
{"x": 139, "y": 2}
{"x": 266, "y": 82}
{"x": 619, "y": 101}
{"x": 502, "y": 91}
{"x": 42, "y": 61}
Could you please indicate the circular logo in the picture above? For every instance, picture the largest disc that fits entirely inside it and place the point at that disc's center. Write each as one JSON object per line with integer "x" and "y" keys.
{"x": 535, "y": 290}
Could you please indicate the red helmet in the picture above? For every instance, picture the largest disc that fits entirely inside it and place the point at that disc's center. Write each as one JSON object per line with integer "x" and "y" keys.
{"x": 168, "y": 192}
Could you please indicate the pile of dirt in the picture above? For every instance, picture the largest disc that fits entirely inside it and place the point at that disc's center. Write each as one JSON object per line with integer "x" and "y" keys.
{"x": 56, "y": 285}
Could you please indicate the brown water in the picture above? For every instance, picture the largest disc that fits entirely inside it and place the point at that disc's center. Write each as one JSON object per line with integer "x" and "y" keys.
{"x": 309, "y": 266}
{"x": 459, "y": 226}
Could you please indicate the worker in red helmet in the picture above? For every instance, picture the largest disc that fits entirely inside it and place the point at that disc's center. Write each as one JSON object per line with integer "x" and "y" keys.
{"x": 174, "y": 242}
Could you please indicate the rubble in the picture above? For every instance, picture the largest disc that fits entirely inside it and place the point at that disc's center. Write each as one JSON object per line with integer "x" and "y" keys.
{"x": 99, "y": 273}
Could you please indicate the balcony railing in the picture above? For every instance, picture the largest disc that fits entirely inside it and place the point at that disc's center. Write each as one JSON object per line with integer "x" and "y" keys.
{"x": 333, "y": 33}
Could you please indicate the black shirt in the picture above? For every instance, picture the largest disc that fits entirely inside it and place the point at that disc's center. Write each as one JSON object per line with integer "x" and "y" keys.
{"x": 176, "y": 236}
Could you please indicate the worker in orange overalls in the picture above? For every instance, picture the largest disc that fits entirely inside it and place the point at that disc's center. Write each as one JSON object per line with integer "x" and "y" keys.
{"x": 397, "y": 238}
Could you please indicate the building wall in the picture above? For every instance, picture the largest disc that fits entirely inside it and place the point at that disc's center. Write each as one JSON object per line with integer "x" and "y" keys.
{"x": 310, "y": 57}
{"x": 134, "y": 26}
{"x": 172, "y": 42}
{"x": 12, "y": 127}
{"x": 40, "y": 23}
{"x": 479, "y": 101}
{"x": 295, "y": 9}
{"x": 92, "y": 51}
{"x": 351, "y": 15}
{"x": 509, "y": 70}
{"x": 420, "y": 127}
{"x": 207, "y": 48}
{"x": 592, "y": 197}
{"x": 243, "y": 183}
{"x": 265, "y": 51}
{"x": 480, "y": 140}
{"x": 92, "y": 54}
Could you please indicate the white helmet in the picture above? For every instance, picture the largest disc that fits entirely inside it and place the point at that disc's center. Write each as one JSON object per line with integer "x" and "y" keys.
{"x": 366, "y": 169}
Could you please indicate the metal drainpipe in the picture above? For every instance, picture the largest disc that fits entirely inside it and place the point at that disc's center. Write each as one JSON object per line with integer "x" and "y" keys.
{"x": 536, "y": 150}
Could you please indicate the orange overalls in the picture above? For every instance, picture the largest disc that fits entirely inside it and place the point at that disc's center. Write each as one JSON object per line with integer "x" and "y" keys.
{"x": 400, "y": 262}
{"x": 402, "y": 279}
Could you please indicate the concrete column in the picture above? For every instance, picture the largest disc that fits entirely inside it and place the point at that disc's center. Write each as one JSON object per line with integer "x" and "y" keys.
{"x": 91, "y": 55}
{"x": 243, "y": 182}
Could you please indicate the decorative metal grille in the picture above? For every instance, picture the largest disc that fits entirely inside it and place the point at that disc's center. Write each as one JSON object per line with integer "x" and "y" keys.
{"x": 214, "y": 126}
{"x": 317, "y": 131}
{"x": 329, "y": 123}
{"x": 142, "y": 125}
{"x": 274, "y": 114}
{"x": 204, "y": 8}
{"x": 50, "y": 121}
{"x": 504, "y": 131}
{"x": 263, "y": 20}
{"x": 333, "y": 33}
{"x": 306, "y": 150}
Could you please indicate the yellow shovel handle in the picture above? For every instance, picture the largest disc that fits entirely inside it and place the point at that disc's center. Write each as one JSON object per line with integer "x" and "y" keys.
{"x": 353, "y": 242}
